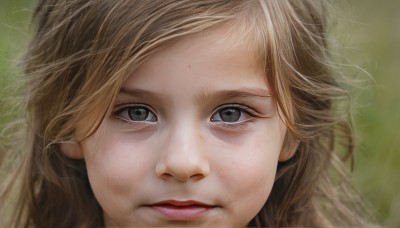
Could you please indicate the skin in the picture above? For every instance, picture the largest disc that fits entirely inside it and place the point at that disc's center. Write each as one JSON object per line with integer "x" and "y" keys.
{"x": 184, "y": 149}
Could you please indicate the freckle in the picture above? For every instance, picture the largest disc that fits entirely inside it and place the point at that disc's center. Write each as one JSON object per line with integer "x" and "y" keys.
{"x": 189, "y": 66}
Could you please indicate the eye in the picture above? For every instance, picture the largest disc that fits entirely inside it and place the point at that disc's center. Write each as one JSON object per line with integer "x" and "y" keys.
{"x": 228, "y": 115}
{"x": 231, "y": 114}
{"x": 138, "y": 113}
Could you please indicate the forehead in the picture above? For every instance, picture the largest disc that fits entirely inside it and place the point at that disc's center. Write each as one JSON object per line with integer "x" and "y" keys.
{"x": 229, "y": 37}
{"x": 224, "y": 49}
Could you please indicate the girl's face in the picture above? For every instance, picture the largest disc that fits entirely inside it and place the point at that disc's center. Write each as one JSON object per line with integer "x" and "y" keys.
{"x": 193, "y": 140}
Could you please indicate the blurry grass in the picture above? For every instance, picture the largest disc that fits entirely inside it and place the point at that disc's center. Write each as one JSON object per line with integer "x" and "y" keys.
{"x": 377, "y": 170}
{"x": 14, "y": 21}
{"x": 375, "y": 35}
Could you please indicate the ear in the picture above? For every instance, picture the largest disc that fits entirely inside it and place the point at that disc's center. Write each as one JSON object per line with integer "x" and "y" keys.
{"x": 72, "y": 150}
{"x": 288, "y": 150}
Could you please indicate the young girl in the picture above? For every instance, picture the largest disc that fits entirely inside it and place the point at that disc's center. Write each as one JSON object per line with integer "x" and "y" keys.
{"x": 181, "y": 113}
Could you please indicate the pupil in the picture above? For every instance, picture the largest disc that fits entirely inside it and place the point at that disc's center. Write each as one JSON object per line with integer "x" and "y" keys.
{"x": 138, "y": 114}
{"x": 230, "y": 115}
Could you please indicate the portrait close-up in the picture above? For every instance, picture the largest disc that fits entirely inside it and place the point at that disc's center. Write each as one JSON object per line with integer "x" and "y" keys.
{"x": 199, "y": 113}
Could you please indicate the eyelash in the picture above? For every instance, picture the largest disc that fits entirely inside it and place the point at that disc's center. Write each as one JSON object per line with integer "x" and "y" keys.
{"x": 244, "y": 110}
{"x": 237, "y": 125}
{"x": 121, "y": 108}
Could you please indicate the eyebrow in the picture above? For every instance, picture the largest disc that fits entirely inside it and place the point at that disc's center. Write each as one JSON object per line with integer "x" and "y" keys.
{"x": 244, "y": 92}
{"x": 139, "y": 92}
{"x": 206, "y": 95}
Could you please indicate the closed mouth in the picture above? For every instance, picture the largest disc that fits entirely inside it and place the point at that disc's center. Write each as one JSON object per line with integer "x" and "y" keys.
{"x": 182, "y": 210}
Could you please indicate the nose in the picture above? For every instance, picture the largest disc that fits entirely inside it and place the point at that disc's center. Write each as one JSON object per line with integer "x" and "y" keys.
{"x": 183, "y": 155}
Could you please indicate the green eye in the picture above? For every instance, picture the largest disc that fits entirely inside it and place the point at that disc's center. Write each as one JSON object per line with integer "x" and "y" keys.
{"x": 233, "y": 114}
{"x": 230, "y": 115}
{"x": 136, "y": 114}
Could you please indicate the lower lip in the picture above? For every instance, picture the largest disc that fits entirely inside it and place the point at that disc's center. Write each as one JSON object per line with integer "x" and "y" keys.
{"x": 183, "y": 213}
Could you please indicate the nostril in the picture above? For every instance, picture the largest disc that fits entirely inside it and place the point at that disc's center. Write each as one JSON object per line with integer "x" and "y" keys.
{"x": 166, "y": 176}
{"x": 181, "y": 178}
{"x": 197, "y": 177}
{"x": 182, "y": 166}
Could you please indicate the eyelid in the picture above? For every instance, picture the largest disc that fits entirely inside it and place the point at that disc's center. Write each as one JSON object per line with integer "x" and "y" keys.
{"x": 250, "y": 116}
{"x": 239, "y": 126}
{"x": 249, "y": 111}
{"x": 119, "y": 108}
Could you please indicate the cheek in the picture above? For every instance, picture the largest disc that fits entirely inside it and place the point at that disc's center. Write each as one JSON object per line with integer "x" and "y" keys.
{"x": 253, "y": 179}
{"x": 248, "y": 172}
{"x": 115, "y": 168}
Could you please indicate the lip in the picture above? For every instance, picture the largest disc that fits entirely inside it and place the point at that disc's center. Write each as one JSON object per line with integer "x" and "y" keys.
{"x": 186, "y": 210}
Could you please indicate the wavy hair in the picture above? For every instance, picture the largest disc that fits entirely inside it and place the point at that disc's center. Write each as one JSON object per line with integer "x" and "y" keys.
{"x": 83, "y": 50}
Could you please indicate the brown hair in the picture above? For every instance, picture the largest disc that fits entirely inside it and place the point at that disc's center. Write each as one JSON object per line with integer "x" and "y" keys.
{"x": 82, "y": 51}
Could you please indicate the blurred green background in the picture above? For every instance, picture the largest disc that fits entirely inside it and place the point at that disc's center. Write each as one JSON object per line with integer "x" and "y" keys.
{"x": 371, "y": 35}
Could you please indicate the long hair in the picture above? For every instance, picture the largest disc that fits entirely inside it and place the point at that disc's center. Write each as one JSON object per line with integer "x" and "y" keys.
{"x": 83, "y": 50}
